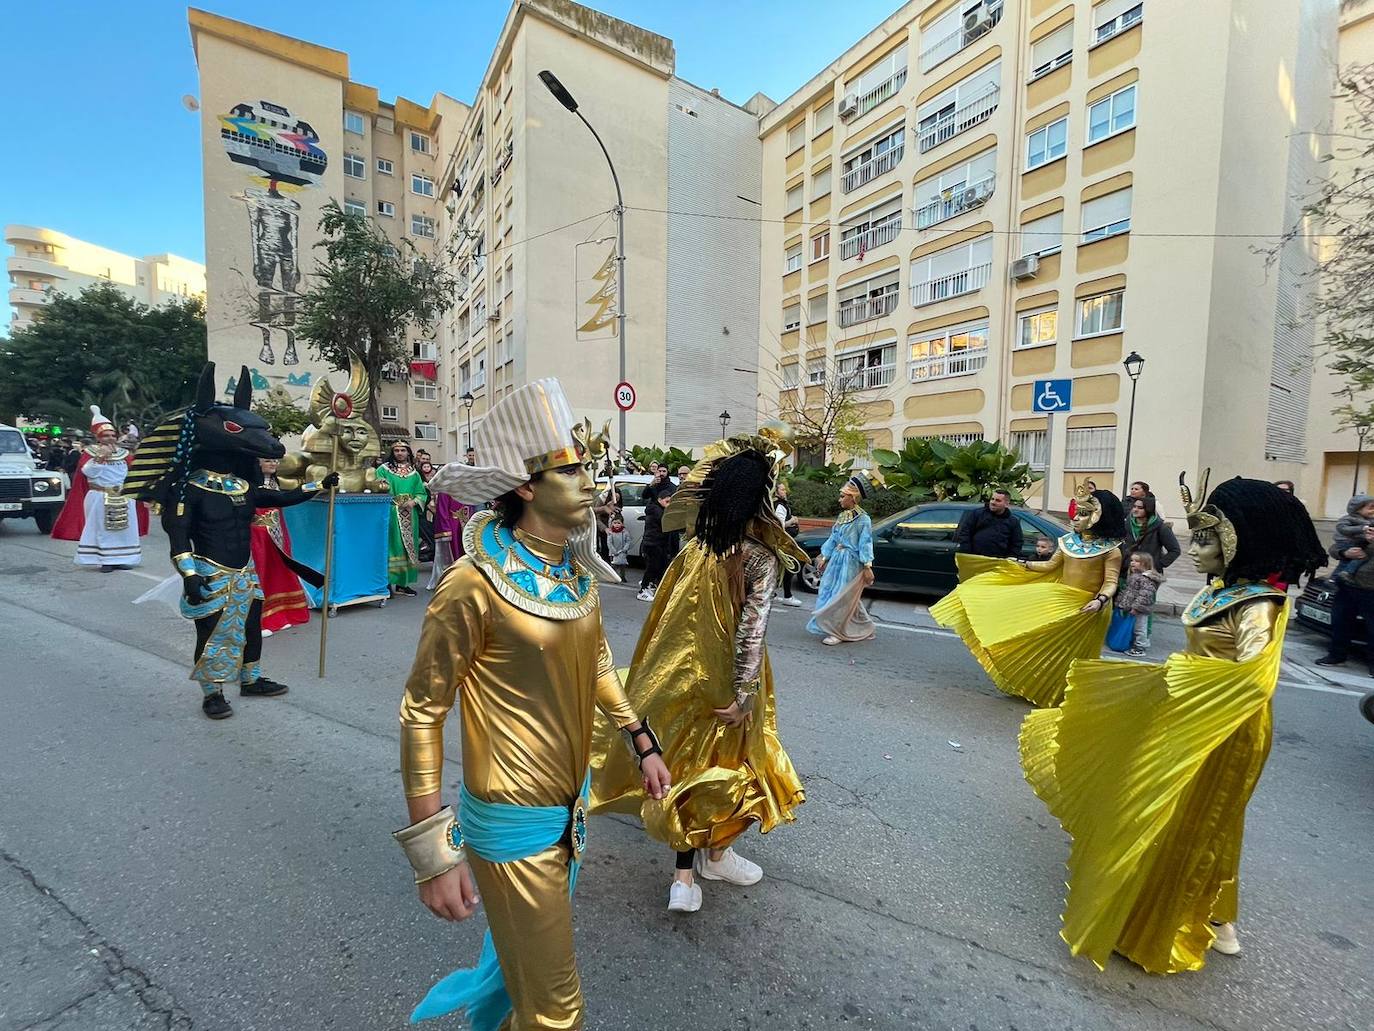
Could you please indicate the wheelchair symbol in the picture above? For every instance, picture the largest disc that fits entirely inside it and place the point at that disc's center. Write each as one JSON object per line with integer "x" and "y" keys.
{"x": 1049, "y": 400}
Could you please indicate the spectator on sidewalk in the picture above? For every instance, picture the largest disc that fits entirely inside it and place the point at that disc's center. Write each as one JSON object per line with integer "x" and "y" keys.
{"x": 1137, "y": 598}
{"x": 618, "y": 545}
{"x": 1148, "y": 534}
{"x": 1353, "y": 597}
{"x": 783, "y": 510}
{"x": 993, "y": 530}
{"x": 1350, "y": 528}
{"x": 654, "y": 545}
{"x": 1140, "y": 489}
{"x": 1044, "y": 548}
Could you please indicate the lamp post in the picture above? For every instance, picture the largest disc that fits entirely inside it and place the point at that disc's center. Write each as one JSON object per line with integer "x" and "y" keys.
{"x": 1360, "y": 433}
{"x": 468, "y": 400}
{"x": 1134, "y": 364}
{"x": 561, "y": 94}
{"x": 724, "y": 422}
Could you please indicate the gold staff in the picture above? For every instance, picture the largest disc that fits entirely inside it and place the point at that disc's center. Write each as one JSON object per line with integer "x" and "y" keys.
{"x": 328, "y": 558}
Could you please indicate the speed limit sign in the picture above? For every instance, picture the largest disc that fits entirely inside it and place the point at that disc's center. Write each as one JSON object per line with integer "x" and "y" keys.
{"x": 624, "y": 396}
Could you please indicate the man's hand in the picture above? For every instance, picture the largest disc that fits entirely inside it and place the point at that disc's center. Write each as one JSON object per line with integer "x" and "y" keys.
{"x": 732, "y": 715}
{"x": 452, "y": 895}
{"x": 867, "y": 575}
{"x": 1369, "y": 533}
{"x": 194, "y": 588}
{"x": 1354, "y": 553}
{"x": 657, "y": 779}
{"x": 330, "y": 481}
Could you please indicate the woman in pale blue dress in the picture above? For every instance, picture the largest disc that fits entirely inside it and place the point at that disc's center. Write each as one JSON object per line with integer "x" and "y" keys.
{"x": 846, "y": 568}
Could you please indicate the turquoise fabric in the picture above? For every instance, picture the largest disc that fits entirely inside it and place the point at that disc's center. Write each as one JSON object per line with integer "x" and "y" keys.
{"x": 846, "y": 551}
{"x": 498, "y": 833}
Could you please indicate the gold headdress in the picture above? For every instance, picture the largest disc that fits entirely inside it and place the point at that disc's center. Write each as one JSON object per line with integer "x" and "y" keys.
{"x": 1207, "y": 519}
{"x": 593, "y": 445}
{"x": 348, "y": 404}
{"x": 1086, "y": 502}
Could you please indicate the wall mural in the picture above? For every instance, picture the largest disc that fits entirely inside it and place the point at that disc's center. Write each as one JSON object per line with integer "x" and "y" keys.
{"x": 283, "y": 156}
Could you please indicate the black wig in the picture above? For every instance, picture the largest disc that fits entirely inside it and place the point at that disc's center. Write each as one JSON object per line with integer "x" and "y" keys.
{"x": 1274, "y": 533}
{"x": 734, "y": 493}
{"x": 1111, "y": 524}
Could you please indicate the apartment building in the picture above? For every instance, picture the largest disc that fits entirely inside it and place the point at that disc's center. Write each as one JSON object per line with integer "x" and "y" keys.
{"x": 983, "y": 194}
{"x": 45, "y": 262}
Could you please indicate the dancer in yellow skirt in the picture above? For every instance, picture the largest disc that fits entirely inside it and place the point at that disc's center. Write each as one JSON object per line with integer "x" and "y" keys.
{"x": 1149, "y": 768}
{"x": 1026, "y": 622}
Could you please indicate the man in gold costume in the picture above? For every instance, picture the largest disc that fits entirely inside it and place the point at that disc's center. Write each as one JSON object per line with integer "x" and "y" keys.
{"x": 1149, "y": 768}
{"x": 513, "y": 637}
{"x": 701, "y": 672}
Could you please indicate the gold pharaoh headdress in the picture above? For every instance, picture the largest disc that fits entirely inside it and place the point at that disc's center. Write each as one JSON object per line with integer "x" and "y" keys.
{"x": 1204, "y": 518}
{"x": 1086, "y": 502}
{"x": 349, "y": 403}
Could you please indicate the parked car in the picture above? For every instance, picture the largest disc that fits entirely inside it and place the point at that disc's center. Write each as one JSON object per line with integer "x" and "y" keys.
{"x": 914, "y": 549}
{"x": 27, "y": 489}
{"x": 631, "y": 487}
{"x": 1313, "y": 608}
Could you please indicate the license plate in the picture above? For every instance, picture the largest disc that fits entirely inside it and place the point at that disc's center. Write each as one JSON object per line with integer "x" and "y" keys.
{"x": 10, "y": 506}
{"x": 1317, "y": 615}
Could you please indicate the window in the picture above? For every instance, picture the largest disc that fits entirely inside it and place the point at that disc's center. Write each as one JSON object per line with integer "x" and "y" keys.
{"x": 957, "y": 351}
{"x": 815, "y": 372}
{"x": 385, "y": 167}
{"x": 390, "y": 413}
{"x": 464, "y": 376}
{"x": 820, "y": 183}
{"x": 1047, "y": 144}
{"x": 1037, "y": 328}
{"x": 354, "y": 166}
{"x": 824, "y": 119}
{"x": 1043, "y": 236}
{"x": 791, "y": 318}
{"x": 421, "y": 184}
{"x": 353, "y": 122}
{"x": 1106, "y": 216}
{"x": 1112, "y": 115}
{"x": 879, "y": 82}
{"x": 1115, "y": 16}
{"x": 961, "y": 107}
{"x": 1090, "y": 449}
{"x": 1100, "y": 314}
{"x": 386, "y": 209}
{"x": 425, "y": 350}
{"x": 792, "y": 260}
{"x": 880, "y": 154}
{"x": 870, "y": 299}
{"x": 868, "y": 369}
{"x": 796, "y": 136}
{"x": 961, "y": 269}
{"x": 791, "y": 376}
{"x": 422, "y": 225}
{"x": 956, "y": 190}
{"x": 1051, "y": 52}
{"x": 425, "y": 391}
{"x": 871, "y": 229}
{"x": 820, "y": 246}
{"x": 1033, "y": 448}
{"x": 794, "y": 199}
{"x": 817, "y": 308}
{"x": 479, "y": 378}
{"x": 419, "y": 143}
{"x": 426, "y": 431}
{"x": 354, "y": 207}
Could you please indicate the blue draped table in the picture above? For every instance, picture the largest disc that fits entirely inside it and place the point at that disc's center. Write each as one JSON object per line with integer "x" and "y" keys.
{"x": 361, "y": 522}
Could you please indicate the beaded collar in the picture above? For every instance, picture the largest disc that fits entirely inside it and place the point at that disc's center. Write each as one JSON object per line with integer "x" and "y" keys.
{"x": 218, "y": 483}
{"x": 560, "y": 590}
{"x": 117, "y": 453}
{"x": 1075, "y": 545}
{"x": 848, "y": 515}
{"x": 1216, "y": 597}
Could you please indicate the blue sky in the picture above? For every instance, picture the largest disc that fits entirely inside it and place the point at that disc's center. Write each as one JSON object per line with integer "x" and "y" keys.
{"x": 100, "y": 147}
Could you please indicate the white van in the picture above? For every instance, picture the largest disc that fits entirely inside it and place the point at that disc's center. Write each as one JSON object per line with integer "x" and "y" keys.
{"x": 27, "y": 490}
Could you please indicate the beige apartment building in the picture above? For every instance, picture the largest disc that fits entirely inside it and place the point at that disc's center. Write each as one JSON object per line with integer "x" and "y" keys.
{"x": 45, "y": 262}
{"x": 982, "y": 194}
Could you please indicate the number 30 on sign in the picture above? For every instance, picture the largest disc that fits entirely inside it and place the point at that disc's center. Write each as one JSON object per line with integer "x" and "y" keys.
{"x": 624, "y": 396}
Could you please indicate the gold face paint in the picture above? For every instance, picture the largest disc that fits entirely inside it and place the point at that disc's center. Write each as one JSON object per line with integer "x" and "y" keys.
{"x": 1207, "y": 555}
{"x": 563, "y": 496}
{"x": 1083, "y": 519}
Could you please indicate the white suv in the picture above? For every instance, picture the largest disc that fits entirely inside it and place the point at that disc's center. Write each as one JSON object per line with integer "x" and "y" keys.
{"x": 27, "y": 490}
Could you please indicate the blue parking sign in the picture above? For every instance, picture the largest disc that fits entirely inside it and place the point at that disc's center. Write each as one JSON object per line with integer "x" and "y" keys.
{"x": 1052, "y": 395}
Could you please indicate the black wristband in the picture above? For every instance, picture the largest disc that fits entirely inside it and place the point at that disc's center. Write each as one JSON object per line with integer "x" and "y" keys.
{"x": 643, "y": 728}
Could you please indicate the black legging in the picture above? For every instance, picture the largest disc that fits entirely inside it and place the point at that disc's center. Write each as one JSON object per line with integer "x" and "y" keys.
{"x": 686, "y": 859}
{"x": 655, "y": 562}
{"x": 787, "y": 584}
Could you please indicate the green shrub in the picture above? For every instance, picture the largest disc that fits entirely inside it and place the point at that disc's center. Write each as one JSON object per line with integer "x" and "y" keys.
{"x": 929, "y": 469}
{"x": 813, "y": 500}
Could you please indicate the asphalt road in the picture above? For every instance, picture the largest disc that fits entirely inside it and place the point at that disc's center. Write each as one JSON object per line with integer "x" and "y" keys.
{"x": 158, "y": 870}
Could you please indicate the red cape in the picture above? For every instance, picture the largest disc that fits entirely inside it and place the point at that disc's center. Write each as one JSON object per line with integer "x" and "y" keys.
{"x": 73, "y": 518}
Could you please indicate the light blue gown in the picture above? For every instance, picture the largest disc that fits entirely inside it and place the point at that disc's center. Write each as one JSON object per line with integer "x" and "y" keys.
{"x": 839, "y": 603}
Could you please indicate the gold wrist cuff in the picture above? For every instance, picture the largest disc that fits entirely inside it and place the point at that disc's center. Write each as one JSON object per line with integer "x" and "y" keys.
{"x": 746, "y": 693}
{"x": 434, "y": 846}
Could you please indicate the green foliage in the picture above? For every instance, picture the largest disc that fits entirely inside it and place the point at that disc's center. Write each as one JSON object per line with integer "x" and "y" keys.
{"x": 102, "y": 347}
{"x": 927, "y": 469}
{"x": 281, "y": 413}
{"x": 673, "y": 457}
{"x": 812, "y": 499}
{"x": 831, "y": 474}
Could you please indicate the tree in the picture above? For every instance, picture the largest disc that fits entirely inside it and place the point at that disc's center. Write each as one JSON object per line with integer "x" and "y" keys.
{"x": 365, "y": 292}
{"x": 102, "y": 347}
{"x": 828, "y": 417}
{"x": 281, "y": 413}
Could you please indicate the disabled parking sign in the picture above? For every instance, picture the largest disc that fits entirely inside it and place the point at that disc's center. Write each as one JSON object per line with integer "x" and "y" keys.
{"x": 1052, "y": 395}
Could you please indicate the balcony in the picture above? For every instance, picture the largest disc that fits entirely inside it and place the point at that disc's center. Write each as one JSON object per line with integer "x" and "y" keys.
{"x": 965, "y": 281}
{"x": 955, "y": 202}
{"x": 879, "y": 233}
{"x": 873, "y": 377}
{"x": 959, "y": 120}
{"x": 23, "y": 295}
{"x": 862, "y": 309}
{"x": 861, "y": 175}
{"x": 942, "y": 366}
{"x": 35, "y": 266}
{"x": 885, "y": 90}
{"x": 976, "y": 23}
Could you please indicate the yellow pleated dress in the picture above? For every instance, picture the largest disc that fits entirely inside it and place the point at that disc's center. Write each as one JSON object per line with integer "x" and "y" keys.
{"x": 1024, "y": 625}
{"x": 1149, "y": 770}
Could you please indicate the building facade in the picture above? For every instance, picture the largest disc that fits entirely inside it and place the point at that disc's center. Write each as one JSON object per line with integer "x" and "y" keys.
{"x": 984, "y": 194}
{"x": 45, "y": 262}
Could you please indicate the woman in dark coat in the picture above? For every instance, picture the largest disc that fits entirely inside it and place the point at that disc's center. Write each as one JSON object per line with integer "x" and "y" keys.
{"x": 1149, "y": 534}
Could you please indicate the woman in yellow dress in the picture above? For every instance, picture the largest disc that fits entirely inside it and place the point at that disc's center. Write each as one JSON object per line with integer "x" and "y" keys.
{"x": 1025, "y": 622}
{"x": 1149, "y": 768}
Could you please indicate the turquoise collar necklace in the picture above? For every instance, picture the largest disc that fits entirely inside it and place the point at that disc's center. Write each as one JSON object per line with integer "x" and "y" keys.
{"x": 560, "y": 590}
{"x": 1216, "y": 597}
{"x": 1076, "y": 545}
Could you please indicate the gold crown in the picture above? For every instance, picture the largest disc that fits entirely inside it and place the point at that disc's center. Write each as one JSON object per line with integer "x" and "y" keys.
{"x": 1207, "y": 519}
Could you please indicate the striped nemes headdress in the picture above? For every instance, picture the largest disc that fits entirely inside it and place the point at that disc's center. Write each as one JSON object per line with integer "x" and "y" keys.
{"x": 163, "y": 461}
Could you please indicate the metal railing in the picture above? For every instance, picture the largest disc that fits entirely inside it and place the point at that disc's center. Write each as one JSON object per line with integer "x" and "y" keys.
{"x": 960, "y": 119}
{"x": 861, "y": 309}
{"x": 954, "y": 363}
{"x": 871, "y": 377}
{"x": 965, "y": 281}
{"x": 948, "y": 46}
{"x": 885, "y": 90}
{"x": 955, "y": 201}
{"x": 865, "y": 173}
{"x": 1119, "y": 24}
{"x": 1090, "y": 449}
{"x": 875, "y": 236}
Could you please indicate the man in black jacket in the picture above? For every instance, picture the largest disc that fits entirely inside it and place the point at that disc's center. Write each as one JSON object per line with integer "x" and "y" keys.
{"x": 992, "y": 530}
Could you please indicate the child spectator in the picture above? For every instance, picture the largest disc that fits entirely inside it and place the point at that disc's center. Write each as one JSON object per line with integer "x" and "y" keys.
{"x": 1138, "y": 597}
{"x": 618, "y": 544}
{"x": 1350, "y": 534}
{"x": 1044, "y": 548}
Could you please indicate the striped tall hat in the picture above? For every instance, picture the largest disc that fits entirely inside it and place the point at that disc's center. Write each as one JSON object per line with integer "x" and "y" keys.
{"x": 528, "y": 431}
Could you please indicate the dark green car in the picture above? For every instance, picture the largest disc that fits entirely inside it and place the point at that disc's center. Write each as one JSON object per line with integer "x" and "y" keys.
{"x": 914, "y": 550}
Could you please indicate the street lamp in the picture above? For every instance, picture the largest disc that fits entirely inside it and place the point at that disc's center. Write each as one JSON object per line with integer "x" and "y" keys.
{"x": 1134, "y": 364}
{"x": 724, "y": 421}
{"x": 561, "y": 94}
{"x": 1360, "y": 432}
{"x": 468, "y": 400}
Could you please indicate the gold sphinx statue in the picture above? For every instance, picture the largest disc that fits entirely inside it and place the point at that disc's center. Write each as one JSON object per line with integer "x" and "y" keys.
{"x": 340, "y": 441}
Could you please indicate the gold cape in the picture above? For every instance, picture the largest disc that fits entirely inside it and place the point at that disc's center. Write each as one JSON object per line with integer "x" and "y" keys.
{"x": 724, "y": 778}
{"x": 1149, "y": 769}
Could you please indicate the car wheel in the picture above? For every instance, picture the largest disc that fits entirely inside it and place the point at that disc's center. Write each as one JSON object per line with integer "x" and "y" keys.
{"x": 1367, "y": 707}
{"x": 46, "y": 518}
{"x": 809, "y": 578}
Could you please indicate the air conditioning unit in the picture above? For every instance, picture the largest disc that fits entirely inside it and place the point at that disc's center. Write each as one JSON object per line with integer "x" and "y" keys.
{"x": 977, "y": 22}
{"x": 1025, "y": 268}
{"x": 849, "y": 106}
{"x": 970, "y": 197}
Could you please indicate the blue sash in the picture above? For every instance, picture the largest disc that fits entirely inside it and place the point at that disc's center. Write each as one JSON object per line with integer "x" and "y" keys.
{"x": 502, "y": 833}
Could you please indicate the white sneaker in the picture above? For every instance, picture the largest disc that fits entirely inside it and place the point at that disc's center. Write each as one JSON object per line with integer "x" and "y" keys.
{"x": 684, "y": 898}
{"x": 645, "y": 595}
{"x": 731, "y": 867}
{"x": 266, "y": 632}
{"x": 1227, "y": 941}
{"x": 830, "y": 640}
{"x": 792, "y": 603}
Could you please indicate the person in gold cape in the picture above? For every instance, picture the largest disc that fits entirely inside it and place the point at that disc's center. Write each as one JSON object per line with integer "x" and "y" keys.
{"x": 1026, "y": 622}
{"x": 701, "y": 674}
{"x": 1149, "y": 768}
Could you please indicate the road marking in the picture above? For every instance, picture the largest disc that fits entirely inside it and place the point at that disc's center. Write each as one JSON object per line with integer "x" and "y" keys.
{"x": 907, "y": 628}
{"x": 1322, "y": 689}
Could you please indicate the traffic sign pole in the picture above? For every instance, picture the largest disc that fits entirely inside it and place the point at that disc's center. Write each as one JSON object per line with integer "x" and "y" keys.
{"x": 1049, "y": 462}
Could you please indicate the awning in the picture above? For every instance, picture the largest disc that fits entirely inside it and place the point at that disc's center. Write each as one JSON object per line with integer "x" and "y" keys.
{"x": 427, "y": 369}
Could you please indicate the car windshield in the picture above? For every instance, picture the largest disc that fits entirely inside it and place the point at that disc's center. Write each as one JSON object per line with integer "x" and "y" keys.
{"x": 12, "y": 443}
{"x": 631, "y": 494}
